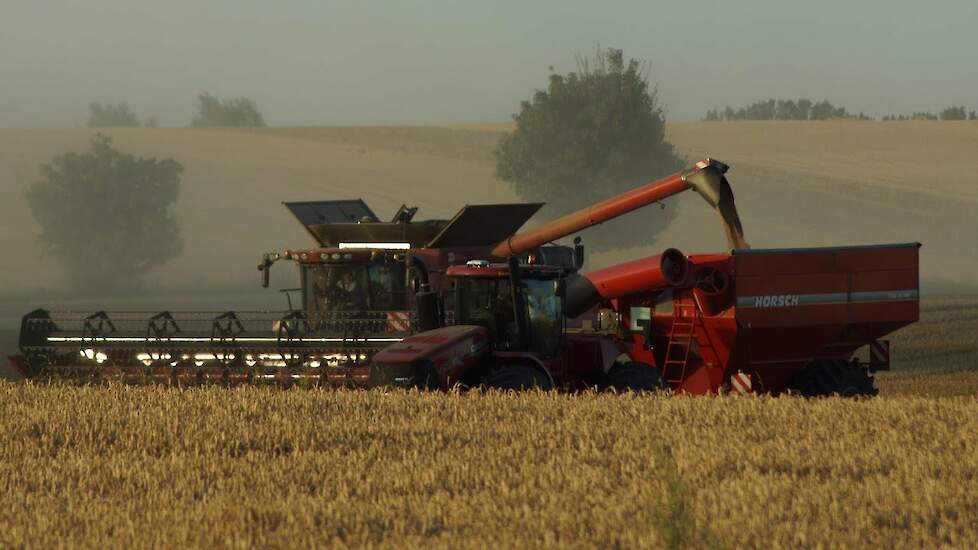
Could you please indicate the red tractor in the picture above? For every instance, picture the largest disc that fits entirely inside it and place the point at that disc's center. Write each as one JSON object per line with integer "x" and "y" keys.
{"x": 745, "y": 320}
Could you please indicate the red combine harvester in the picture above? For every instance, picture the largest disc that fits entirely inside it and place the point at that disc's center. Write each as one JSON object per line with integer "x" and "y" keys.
{"x": 747, "y": 320}
{"x": 366, "y": 285}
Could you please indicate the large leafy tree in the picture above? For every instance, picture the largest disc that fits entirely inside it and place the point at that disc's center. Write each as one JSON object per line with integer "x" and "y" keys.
{"x": 106, "y": 215}
{"x": 590, "y": 135}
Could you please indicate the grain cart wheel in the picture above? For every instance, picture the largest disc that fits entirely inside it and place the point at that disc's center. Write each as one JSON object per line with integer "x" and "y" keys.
{"x": 834, "y": 377}
{"x": 519, "y": 377}
{"x": 634, "y": 376}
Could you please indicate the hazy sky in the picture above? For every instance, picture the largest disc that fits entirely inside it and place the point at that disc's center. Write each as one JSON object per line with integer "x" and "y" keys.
{"x": 371, "y": 62}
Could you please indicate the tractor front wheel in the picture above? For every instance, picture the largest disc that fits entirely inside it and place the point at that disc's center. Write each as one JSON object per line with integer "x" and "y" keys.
{"x": 634, "y": 376}
{"x": 518, "y": 378}
{"x": 834, "y": 377}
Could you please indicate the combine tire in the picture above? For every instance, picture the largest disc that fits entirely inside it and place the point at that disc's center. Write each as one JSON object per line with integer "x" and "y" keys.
{"x": 834, "y": 377}
{"x": 518, "y": 378}
{"x": 634, "y": 376}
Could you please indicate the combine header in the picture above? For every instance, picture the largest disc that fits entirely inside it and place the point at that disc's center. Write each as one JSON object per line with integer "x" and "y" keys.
{"x": 368, "y": 284}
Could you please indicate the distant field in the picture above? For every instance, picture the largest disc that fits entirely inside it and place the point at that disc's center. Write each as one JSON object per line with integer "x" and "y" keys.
{"x": 937, "y": 356}
{"x": 796, "y": 183}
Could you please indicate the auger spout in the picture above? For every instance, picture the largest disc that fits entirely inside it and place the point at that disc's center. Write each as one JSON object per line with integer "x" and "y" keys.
{"x": 705, "y": 177}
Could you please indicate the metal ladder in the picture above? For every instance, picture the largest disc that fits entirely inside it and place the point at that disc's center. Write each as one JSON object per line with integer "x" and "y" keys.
{"x": 681, "y": 334}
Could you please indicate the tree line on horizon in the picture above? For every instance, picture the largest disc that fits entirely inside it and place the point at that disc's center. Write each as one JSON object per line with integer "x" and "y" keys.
{"x": 211, "y": 112}
{"x": 806, "y": 109}
{"x": 954, "y": 112}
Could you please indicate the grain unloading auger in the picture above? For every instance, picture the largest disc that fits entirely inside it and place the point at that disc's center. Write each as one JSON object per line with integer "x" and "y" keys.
{"x": 368, "y": 284}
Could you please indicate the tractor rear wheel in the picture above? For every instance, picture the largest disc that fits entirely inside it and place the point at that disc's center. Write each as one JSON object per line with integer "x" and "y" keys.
{"x": 834, "y": 377}
{"x": 634, "y": 376}
{"x": 518, "y": 378}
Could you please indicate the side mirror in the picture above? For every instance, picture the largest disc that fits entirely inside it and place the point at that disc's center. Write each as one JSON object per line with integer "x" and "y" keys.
{"x": 265, "y": 266}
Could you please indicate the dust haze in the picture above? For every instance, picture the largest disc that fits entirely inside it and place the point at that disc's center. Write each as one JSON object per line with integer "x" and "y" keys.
{"x": 413, "y": 62}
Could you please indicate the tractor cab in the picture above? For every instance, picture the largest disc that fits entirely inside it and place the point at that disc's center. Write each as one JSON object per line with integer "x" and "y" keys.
{"x": 520, "y": 305}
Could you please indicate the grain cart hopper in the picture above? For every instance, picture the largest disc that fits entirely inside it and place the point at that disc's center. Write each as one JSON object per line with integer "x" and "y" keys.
{"x": 359, "y": 287}
{"x": 744, "y": 320}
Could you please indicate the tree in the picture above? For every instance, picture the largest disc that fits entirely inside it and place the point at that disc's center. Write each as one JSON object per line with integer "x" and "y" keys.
{"x": 786, "y": 110}
{"x": 804, "y": 108}
{"x": 591, "y": 134}
{"x": 240, "y": 111}
{"x": 783, "y": 109}
{"x": 108, "y": 115}
{"x": 105, "y": 215}
{"x": 954, "y": 112}
{"x": 761, "y": 110}
{"x": 923, "y": 115}
{"x": 823, "y": 110}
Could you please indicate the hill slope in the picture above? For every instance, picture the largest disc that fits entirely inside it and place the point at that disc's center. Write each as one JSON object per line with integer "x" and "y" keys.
{"x": 796, "y": 183}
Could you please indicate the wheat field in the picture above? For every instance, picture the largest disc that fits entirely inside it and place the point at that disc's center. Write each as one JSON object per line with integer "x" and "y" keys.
{"x": 153, "y": 466}
{"x": 211, "y": 467}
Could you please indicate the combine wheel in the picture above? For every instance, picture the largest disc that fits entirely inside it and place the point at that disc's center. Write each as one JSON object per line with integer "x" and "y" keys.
{"x": 519, "y": 377}
{"x": 834, "y": 377}
{"x": 634, "y": 376}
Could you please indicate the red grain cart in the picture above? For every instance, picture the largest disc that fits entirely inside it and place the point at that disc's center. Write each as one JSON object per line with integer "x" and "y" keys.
{"x": 748, "y": 320}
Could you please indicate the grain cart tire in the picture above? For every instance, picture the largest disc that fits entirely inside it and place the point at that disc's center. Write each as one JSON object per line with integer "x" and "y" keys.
{"x": 634, "y": 376}
{"x": 834, "y": 377}
{"x": 518, "y": 378}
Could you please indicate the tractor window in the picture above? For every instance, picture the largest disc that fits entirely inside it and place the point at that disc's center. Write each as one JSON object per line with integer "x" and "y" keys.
{"x": 545, "y": 311}
{"x": 488, "y": 302}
